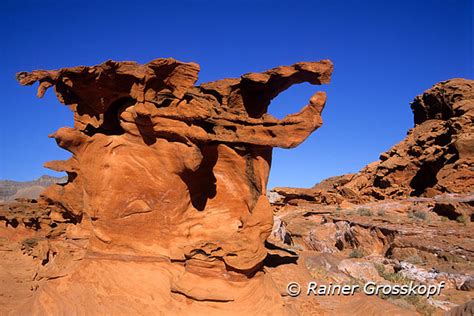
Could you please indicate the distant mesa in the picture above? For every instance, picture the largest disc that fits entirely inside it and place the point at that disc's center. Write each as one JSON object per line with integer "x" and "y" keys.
{"x": 11, "y": 190}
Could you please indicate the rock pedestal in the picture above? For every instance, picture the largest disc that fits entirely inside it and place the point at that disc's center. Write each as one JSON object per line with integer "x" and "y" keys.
{"x": 168, "y": 182}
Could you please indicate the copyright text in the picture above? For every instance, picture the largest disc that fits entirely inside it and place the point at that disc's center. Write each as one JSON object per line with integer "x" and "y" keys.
{"x": 369, "y": 288}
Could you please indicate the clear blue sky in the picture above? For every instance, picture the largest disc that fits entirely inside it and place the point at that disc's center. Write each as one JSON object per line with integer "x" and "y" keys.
{"x": 385, "y": 53}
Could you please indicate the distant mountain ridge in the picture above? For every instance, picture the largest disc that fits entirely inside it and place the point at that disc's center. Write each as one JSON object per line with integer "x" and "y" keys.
{"x": 11, "y": 190}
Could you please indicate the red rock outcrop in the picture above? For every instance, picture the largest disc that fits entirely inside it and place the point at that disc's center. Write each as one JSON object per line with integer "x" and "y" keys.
{"x": 166, "y": 189}
{"x": 436, "y": 157}
{"x": 387, "y": 242}
{"x": 408, "y": 217}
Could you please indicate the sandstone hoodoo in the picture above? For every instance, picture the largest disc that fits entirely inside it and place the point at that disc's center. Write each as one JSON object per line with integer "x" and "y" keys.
{"x": 165, "y": 207}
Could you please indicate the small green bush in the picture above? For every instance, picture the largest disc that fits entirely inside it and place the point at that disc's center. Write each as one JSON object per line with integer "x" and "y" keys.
{"x": 381, "y": 212}
{"x": 462, "y": 219}
{"x": 364, "y": 212}
{"x": 421, "y": 304}
{"x": 380, "y": 268}
{"x": 415, "y": 259}
{"x": 356, "y": 253}
{"x": 418, "y": 215}
{"x": 395, "y": 277}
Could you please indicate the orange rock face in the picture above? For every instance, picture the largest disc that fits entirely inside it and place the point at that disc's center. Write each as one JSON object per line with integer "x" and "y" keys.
{"x": 167, "y": 185}
{"x": 436, "y": 157}
{"x": 407, "y": 217}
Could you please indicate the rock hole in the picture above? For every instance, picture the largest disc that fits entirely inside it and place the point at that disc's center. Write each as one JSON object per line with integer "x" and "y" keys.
{"x": 292, "y": 100}
{"x": 426, "y": 177}
{"x": 111, "y": 123}
{"x": 446, "y": 210}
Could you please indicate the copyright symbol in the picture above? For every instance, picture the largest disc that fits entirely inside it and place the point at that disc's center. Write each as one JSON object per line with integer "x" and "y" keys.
{"x": 293, "y": 289}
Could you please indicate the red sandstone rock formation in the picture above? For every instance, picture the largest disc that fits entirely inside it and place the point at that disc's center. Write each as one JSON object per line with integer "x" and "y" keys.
{"x": 408, "y": 217}
{"x": 165, "y": 203}
{"x": 436, "y": 157}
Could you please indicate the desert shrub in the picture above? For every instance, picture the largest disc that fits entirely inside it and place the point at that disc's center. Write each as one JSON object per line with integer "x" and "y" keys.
{"x": 395, "y": 277}
{"x": 380, "y": 268}
{"x": 364, "y": 212}
{"x": 444, "y": 219}
{"x": 356, "y": 253}
{"x": 381, "y": 212}
{"x": 421, "y": 304}
{"x": 354, "y": 281}
{"x": 415, "y": 259}
{"x": 462, "y": 219}
{"x": 418, "y": 215}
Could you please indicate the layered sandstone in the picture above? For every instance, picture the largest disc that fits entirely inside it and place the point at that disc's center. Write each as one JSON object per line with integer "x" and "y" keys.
{"x": 436, "y": 157}
{"x": 387, "y": 242}
{"x": 405, "y": 218}
{"x": 165, "y": 207}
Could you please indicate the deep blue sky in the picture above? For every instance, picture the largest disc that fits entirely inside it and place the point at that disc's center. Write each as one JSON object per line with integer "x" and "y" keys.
{"x": 385, "y": 53}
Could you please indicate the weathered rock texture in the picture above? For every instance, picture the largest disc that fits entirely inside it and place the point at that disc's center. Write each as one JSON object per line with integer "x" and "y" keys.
{"x": 436, "y": 157}
{"x": 167, "y": 186}
{"x": 408, "y": 217}
{"x": 390, "y": 241}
